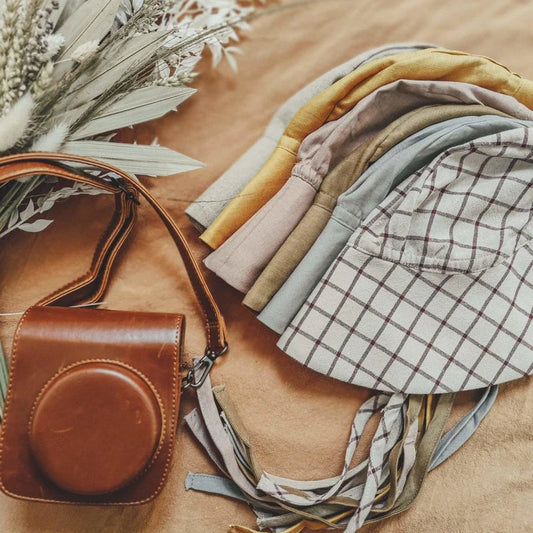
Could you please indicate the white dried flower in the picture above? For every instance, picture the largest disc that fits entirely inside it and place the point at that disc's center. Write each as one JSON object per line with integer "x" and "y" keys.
{"x": 24, "y": 32}
{"x": 54, "y": 43}
{"x": 15, "y": 121}
{"x": 85, "y": 51}
{"x": 51, "y": 141}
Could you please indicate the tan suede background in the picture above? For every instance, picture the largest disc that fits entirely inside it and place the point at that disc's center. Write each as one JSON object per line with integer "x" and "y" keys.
{"x": 299, "y": 420}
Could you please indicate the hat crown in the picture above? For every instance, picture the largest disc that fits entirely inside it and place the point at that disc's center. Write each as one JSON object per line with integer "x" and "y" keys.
{"x": 468, "y": 210}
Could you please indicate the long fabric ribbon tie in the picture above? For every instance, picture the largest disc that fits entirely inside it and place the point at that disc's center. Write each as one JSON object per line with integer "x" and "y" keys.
{"x": 389, "y": 404}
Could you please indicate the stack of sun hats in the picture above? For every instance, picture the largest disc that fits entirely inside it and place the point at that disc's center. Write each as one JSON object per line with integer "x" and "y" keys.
{"x": 383, "y": 227}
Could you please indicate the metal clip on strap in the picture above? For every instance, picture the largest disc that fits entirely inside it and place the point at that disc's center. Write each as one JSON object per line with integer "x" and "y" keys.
{"x": 202, "y": 366}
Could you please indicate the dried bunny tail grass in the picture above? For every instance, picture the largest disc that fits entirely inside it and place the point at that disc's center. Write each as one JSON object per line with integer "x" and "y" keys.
{"x": 85, "y": 51}
{"x": 51, "y": 141}
{"x": 14, "y": 123}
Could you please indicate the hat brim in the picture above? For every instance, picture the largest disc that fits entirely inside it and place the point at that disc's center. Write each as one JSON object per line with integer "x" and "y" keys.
{"x": 396, "y": 328}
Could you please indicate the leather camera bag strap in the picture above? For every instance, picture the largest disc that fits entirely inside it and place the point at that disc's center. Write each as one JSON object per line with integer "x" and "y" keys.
{"x": 90, "y": 287}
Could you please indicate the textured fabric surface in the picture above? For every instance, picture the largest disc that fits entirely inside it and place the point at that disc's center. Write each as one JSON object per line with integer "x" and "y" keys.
{"x": 241, "y": 258}
{"x": 340, "y": 98}
{"x": 357, "y": 202}
{"x": 433, "y": 292}
{"x": 285, "y": 51}
{"x": 212, "y": 201}
{"x": 307, "y": 230}
{"x": 389, "y": 429}
{"x": 404, "y": 448}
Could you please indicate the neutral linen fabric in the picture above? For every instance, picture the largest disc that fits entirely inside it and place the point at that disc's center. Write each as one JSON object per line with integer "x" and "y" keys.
{"x": 426, "y": 449}
{"x": 222, "y": 486}
{"x": 376, "y": 461}
{"x": 214, "y": 199}
{"x": 342, "y": 96}
{"x": 241, "y": 258}
{"x": 224, "y": 445}
{"x": 342, "y": 177}
{"x": 357, "y": 202}
{"x": 207, "y": 428}
{"x": 391, "y": 409}
{"x": 433, "y": 293}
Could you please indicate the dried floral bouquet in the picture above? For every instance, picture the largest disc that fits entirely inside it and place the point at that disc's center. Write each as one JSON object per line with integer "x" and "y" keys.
{"x": 72, "y": 72}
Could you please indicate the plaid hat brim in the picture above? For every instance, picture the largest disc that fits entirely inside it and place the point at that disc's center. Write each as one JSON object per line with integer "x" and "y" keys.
{"x": 385, "y": 326}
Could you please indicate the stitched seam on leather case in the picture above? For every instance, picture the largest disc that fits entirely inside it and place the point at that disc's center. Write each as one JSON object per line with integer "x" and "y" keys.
{"x": 135, "y": 371}
{"x": 208, "y": 329}
{"x": 175, "y": 365}
{"x": 177, "y": 334}
{"x": 106, "y": 504}
{"x": 5, "y": 417}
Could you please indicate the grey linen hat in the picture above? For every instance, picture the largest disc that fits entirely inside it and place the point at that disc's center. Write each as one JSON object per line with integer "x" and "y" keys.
{"x": 434, "y": 292}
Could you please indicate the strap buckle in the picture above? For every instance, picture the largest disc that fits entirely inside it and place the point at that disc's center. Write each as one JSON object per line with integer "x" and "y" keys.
{"x": 129, "y": 194}
{"x": 202, "y": 366}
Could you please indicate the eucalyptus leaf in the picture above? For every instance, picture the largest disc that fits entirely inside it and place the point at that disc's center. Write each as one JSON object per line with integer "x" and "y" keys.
{"x": 28, "y": 211}
{"x": 46, "y": 205}
{"x": 90, "y": 22}
{"x": 135, "y": 158}
{"x": 34, "y": 227}
{"x": 138, "y": 106}
{"x": 91, "y": 55}
{"x": 122, "y": 17}
{"x": 118, "y": 63}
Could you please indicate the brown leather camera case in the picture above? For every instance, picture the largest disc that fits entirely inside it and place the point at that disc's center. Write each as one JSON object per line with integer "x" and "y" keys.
{"x": 91, "y": 408}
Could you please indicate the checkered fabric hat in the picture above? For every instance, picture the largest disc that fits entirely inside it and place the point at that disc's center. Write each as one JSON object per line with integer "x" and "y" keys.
{"x": 434, "y": 293}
